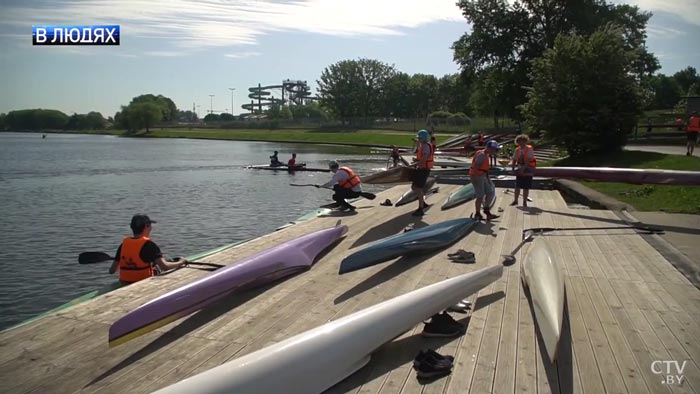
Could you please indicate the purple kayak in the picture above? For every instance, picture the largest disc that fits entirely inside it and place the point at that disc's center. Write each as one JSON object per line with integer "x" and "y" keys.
{"x": 272, "y": 264}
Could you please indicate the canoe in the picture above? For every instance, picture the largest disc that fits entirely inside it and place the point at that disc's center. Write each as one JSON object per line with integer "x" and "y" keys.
{"x": 462, "y": 195}
{"x": 410, "y": 195}
{"x": 277, "y": 262}
{"x": 624, "y": 175}
{"x": 425, "y": 239}
{"x": 543, "y": 275}
{"x": 305, "y": 218}
{"x": 285, "y": 168}
{"x": 392, "y": 175}
{"x": 115, "y": 285}
{"x": 317, "y": 359}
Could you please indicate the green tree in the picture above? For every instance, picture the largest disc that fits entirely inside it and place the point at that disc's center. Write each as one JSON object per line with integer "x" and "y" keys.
{"x": 575, "y": 104}
{"x": 508, "y": 35}
{"x": 397, "y": 97}
{"x": 36, "y": 119}
{"x": 686, "y": 78}
{"x": 354, "y": 88}
{"x": 423, "y": 94}
{"x": 212, "y": 118}
{"x": 143, "y": 115}
{"x": 664, "y": 91}
{"x": 453, "y": 93}
{"x": 167, "y": 106}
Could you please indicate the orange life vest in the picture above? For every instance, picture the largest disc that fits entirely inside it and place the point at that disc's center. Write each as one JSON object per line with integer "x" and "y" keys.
{"x": 430, "y": 160}
{"x": 131, "y": 267}
{"x": 521, "y": 156}
{"x": 352, "y": 181}
{"x": 483, "y": 168}
{"x": 694, "y": 123}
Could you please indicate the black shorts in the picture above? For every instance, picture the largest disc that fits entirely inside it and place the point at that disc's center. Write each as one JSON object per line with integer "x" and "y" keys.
{"x": 420, "y": 177}
{"x": 523, "y": 182}
{"x": 692, "y": 136}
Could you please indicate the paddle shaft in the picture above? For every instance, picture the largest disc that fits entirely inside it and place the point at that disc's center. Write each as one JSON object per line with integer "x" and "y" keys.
{"x": 649, "y": 229}
{"x": 369, "y": 196}
{"x": 100, "y": 257}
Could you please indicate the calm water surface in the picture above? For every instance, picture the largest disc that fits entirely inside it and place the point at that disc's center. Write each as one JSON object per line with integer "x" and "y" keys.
{"x": 67, "y": 194}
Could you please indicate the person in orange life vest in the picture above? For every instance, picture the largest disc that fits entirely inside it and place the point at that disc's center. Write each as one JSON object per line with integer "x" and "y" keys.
{"x": 479, "y": 177}
{"x": 524, "y": 160}
{"x": 425, "y": 158}
{"x": 679, "y": 124}
{"x": 293, "y": 161}
{"x": 692, "y": 132}
{"x": 137, "y": 255}
{"x": 346, "y": 184}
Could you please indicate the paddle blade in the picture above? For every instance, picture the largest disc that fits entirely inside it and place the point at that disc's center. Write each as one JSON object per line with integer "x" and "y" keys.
{"x": 93, "y": 257}
{"x": 368, "y": 196}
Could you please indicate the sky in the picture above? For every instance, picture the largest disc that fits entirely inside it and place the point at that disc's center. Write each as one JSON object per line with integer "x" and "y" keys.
{"x": 188, "y": 49}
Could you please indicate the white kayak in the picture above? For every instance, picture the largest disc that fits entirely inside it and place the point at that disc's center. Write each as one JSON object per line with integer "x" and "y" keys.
{"x": 544, "y": 276}
{"x": 315, "y": 360}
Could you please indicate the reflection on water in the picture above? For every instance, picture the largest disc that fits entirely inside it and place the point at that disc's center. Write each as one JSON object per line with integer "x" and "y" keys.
{"x": 67, "y": 194}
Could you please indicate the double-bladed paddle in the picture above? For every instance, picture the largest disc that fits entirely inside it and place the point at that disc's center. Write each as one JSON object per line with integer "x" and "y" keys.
{"x": 369, "y": 196}
{"x": 99, "y": 257}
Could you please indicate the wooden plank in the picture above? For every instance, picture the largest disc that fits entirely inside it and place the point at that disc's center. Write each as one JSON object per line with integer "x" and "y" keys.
{"x": 590, "y": 375}
{"x": 631, "y": 371}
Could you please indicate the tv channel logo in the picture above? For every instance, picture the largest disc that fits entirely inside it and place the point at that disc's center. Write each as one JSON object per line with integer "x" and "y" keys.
{"x": 75, "y": 35}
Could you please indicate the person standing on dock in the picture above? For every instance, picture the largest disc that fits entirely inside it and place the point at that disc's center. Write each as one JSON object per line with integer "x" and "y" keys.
{"x": 525, "y": 161}
{"x": 137, "y": 255}
{"x": 481, "y": 139}
{"x": 692, "y": 132}
{"x": 479, "y": 177}
{"x": 395, "y": 156}
{"x": 345, "y": 183}
{"x": 425, "y": 158}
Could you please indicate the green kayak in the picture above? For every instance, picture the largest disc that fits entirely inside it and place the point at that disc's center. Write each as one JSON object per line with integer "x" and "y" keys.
{"x": 460, "y": 196}
{"x": 113, "y": 286}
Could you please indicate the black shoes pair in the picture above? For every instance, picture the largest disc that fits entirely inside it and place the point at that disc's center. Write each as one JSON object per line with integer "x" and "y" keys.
{"x": 443, "y": 325}
{"x": 489, "y": 216}
{"x": 431, "y": 364}
{"x": 462, "y": 256}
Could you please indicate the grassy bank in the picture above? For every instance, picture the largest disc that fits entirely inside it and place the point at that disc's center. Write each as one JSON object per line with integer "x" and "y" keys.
{"x": 376, "y": 137}
{"x": 680, "y": 199}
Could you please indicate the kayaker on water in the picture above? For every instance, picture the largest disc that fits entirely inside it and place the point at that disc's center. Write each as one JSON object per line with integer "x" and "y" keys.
{"x": 274, "y": 161}
{"x": 346, "y": 184}
{"x": 424, "y": 156}
{"x": 137, "y": 255}
{"x": 395, "y": 156}
{"x": 293, "y": 161}
{"x": 524, "y": 160}
{"x": 479, "y": 177}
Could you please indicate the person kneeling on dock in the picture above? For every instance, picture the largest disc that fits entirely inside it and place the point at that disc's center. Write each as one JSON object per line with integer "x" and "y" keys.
{"x": 138, "y": 256}
{"x": 346, "y": 184}
{"x": 479, "y": 177}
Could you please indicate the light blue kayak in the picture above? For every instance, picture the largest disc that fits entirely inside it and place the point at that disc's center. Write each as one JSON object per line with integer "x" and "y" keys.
{"x": 462, "y": 195}
{"x": 425, "y": 239}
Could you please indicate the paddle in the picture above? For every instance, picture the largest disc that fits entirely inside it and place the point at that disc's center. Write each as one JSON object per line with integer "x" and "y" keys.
{"x": 509, "y": 259}
{"x": 644, "y": 228}
{"x": 99, "y": 257}
{"x": 369, "y": 196}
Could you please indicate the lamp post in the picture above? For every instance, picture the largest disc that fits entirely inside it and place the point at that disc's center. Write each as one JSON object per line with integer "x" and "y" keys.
{"x": 231, "y": 89}
{"x": 211, "y": 103}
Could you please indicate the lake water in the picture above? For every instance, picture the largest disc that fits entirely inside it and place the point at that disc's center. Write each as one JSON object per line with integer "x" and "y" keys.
{"x": 67, "y": 194}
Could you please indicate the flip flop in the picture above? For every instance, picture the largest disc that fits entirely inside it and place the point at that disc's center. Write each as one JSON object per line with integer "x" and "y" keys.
{"x": 463, "y": 260}
{"x": 386, "y": 203}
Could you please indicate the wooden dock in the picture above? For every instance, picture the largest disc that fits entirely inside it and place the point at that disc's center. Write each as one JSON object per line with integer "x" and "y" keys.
{"x": 626, "y": 308}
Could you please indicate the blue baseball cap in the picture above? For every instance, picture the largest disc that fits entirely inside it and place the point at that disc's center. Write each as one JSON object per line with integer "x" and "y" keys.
{"x": 492, "y": 144}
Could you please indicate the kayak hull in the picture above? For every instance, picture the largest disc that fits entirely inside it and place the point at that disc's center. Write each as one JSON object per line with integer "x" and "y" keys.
{"x": 338, "y": 348}
{"x": 623, "y": 175}
{"x": 425, "y": 239}
{"x": 285, "y": 168}
{"x": 272, "y": 264}
{"x": 462, "y": 195}
{"x": 544, "y": 277}
{"x": 409, "y": 196}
